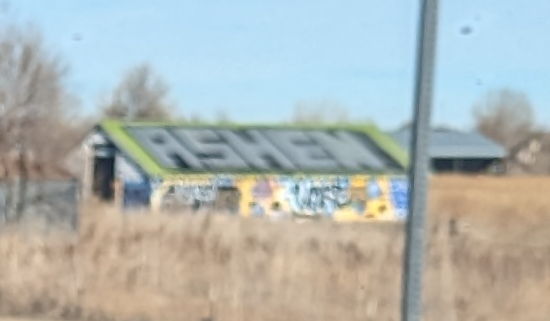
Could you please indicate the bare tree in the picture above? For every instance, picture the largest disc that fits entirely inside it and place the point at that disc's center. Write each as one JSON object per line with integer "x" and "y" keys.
{"x": 222, "y": 117}
{"x": 33, "y": 108}
{"x": 141, "y": 95}
{"x": 320, "y": 112}
{"x": 195, "y": 119}
{"x": 504, "y": 115}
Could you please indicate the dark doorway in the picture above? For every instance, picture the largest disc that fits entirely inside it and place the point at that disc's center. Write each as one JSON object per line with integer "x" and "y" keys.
{"x": 104, "y": 175}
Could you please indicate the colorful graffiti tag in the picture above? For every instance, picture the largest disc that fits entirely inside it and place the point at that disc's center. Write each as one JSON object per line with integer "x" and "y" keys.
{"x": 317, "y": 197}
{"x": 399, "y": 191}
{"x": 341, "y": 198}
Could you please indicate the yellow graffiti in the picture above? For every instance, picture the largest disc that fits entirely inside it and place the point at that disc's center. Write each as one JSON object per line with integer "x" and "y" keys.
{"x": 302, "y": 195}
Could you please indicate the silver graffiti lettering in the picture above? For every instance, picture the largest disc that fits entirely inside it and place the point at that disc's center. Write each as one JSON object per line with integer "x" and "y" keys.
{"x": 311, "y": 197}
{"x": 190, "y": 196}
{"x": 206, "y": 149}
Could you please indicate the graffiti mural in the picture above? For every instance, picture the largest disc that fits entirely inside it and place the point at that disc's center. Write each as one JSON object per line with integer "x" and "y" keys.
{"x": 192, "y": 195}
{"x": 343, "y": 198}
{"x": 399, "y": 194}
{"x": 317, "y": 197}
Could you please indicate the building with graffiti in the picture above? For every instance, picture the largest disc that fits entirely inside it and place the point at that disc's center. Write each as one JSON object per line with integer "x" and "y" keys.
{"x": 345, "y": 173}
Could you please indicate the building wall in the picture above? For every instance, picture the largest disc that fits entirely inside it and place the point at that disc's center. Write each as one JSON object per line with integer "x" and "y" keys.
{"x": 122, "y": 181}
{"x": 80, "y": 162}
{"x": 128, "y": 172}
{"x": 340, "y": 197}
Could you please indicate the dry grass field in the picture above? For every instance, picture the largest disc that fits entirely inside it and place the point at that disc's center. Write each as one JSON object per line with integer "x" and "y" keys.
{"x": 494, "y": 265}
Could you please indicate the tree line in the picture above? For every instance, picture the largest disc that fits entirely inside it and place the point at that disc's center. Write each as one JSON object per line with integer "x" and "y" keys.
{"x": 41, "y": 119}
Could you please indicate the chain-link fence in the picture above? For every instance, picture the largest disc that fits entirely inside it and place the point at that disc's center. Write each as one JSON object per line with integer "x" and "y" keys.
{"x": 45, "y": 203}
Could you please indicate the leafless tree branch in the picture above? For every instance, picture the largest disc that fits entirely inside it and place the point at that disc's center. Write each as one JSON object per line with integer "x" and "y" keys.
{"x": 141, "y": 95}
{"x": 504, "y": 115}
{"x": 34, "y": 127}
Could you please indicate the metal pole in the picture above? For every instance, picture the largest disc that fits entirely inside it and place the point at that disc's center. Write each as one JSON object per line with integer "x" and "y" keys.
{"x": 419, "y": 167}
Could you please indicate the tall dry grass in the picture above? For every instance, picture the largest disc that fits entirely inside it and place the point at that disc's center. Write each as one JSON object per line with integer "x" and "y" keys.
{"x": 494, "y": 266}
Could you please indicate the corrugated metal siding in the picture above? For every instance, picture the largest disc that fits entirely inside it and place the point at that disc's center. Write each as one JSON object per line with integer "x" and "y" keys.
{"x": 455, "y": 144}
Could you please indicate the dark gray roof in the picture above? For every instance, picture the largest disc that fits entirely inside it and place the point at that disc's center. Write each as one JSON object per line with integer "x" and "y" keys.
{"x": 455, "y": 144}
{"x": 181, "y": 148}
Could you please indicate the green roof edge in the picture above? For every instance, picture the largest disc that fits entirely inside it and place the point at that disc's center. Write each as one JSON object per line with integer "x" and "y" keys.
{"x": 116, "y": 130}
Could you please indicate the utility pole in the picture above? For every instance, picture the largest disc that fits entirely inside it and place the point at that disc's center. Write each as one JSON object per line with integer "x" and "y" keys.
{"x": 418, "y": 169}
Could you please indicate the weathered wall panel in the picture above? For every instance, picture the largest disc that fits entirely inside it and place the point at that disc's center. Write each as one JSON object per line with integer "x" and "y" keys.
{"x": 356, "y": 197}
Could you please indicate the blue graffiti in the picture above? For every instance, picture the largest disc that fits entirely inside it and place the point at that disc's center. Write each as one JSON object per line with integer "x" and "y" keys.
{"x": 399, "y": 192}
{"x": 373, "y": 189}
{"x": 136, "y": 195}
{"x": 321, "y": 197}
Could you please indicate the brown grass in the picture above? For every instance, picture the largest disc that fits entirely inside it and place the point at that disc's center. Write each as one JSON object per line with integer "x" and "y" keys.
{"x": 496, "y": 267}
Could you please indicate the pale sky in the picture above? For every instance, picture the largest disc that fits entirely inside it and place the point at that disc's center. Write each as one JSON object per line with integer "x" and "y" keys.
{"x": 257, "y": 59}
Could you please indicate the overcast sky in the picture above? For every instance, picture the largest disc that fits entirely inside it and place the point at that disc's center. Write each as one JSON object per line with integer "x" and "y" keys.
{"x": 257, "y": 59}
